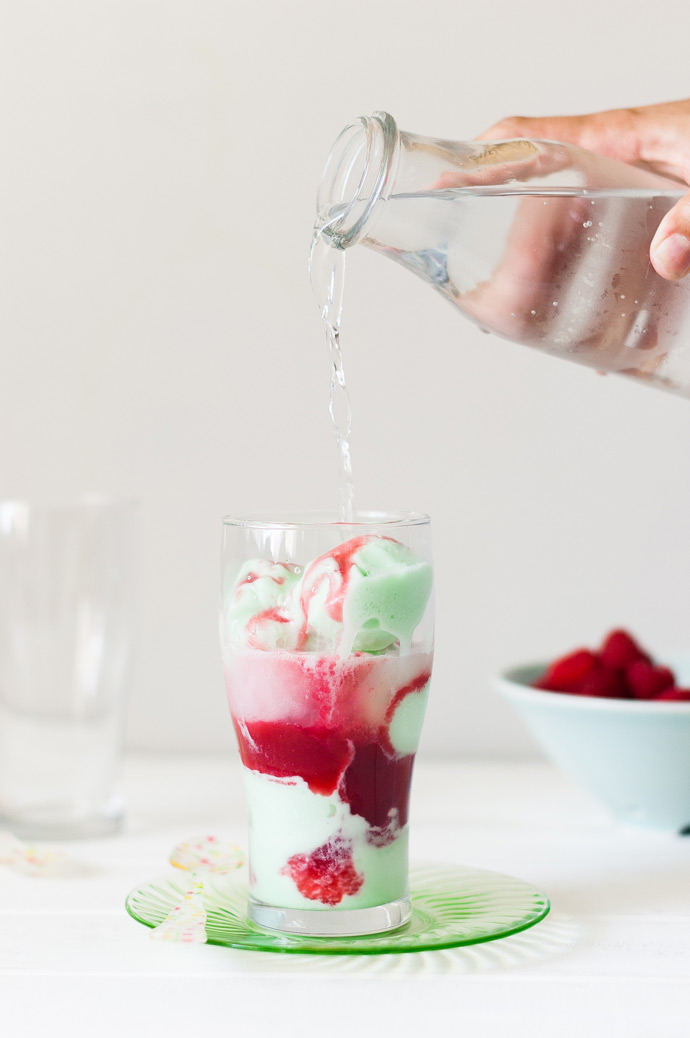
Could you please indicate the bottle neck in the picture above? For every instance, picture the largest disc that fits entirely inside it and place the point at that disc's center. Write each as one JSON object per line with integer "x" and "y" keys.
{"x": 359, "y": 172}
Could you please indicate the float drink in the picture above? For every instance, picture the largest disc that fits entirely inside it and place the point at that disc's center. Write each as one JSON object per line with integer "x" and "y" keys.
{"x": 327, "y": 691}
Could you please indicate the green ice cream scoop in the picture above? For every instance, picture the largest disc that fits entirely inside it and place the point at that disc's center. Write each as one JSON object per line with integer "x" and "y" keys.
{"x": 258, "y": 610}
{"x": 389, "y": 587}
{"x": 363, "y": 596}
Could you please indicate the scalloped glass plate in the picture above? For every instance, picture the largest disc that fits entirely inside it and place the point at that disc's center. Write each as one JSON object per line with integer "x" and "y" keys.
{"x": 451, "y": 905}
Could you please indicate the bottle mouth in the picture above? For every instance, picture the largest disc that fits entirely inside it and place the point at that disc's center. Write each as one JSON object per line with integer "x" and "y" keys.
{"x": 359, "y": 172}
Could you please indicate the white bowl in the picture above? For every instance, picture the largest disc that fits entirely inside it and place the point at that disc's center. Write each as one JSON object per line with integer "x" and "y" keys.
{"x": 633, "y": 755}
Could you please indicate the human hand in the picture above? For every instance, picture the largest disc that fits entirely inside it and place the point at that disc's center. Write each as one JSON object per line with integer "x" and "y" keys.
{"x": 655, "y": 137}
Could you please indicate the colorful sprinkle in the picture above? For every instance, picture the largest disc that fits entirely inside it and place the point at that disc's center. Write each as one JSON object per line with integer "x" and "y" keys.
{"x": 32, "y": 859}
{"x": 207, "y": 854}
{"x": 186, "y": 923}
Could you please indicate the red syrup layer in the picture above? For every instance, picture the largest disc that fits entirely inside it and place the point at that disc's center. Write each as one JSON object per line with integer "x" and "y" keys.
{"x": 361, "y": 765}
{"x": 318, "y": 754}
{"x": 374, "y": 784}
{"x": 377, "y": 787}
{"x": 339, "y": 751}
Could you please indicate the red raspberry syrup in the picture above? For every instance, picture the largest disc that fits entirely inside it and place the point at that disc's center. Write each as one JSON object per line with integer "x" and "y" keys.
{"x": 327, "y": 874}
{"x": 361, "y": 764}
{"x": 318, "y": 755}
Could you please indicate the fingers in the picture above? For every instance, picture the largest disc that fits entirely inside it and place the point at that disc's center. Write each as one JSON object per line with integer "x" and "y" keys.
{"x": 558, "y": 128}
{"x": 656, "y": 137}
{"x": 670, "y": 248}
{"x": 619, "y": 134}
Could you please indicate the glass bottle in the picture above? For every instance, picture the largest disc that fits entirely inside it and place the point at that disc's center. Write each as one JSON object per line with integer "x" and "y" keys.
{"x": 543, "y": 243}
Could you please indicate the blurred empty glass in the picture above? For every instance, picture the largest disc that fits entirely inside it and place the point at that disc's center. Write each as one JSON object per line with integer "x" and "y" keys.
{"x": 66, "y": 641}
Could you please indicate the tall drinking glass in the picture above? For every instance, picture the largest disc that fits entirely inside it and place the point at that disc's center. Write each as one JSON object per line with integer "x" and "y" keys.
{"x": 327, "y": 635}
{"x": 66, "y": 647}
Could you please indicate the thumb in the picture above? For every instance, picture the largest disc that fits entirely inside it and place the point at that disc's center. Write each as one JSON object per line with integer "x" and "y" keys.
{"x": 670, "y": 248}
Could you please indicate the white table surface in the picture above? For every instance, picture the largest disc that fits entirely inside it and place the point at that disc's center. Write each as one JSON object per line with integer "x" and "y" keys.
{"x": 612, "y": 958}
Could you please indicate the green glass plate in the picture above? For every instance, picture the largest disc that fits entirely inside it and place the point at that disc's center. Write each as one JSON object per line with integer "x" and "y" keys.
{"x": 451, "y": 906}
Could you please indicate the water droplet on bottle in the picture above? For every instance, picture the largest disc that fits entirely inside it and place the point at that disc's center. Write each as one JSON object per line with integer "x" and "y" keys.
{"x": 587, "y": 223}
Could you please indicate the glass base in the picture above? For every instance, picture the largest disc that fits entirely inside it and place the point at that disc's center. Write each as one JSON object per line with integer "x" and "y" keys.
{"x": 40, "y": 825}
{"x": 354, "y": 922}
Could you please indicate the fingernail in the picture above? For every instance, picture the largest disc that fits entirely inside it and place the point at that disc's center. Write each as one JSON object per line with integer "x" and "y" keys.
{"x": 671, "y": 257}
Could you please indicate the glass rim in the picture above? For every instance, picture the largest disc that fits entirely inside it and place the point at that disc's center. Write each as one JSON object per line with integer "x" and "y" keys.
{"x": 324, "y": 519}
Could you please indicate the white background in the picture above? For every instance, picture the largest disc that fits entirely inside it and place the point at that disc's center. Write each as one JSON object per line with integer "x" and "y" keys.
{"x": 158, "y": 335}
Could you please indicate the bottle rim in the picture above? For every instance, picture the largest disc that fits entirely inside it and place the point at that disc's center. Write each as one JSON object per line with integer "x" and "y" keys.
{"x": 359, "y": 172}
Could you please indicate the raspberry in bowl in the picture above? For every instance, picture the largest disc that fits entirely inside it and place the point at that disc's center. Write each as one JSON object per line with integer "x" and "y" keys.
{"x": 617, "y": 721}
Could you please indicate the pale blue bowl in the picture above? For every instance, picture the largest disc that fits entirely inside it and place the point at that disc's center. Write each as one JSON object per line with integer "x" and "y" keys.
{"x": 634, "y": 756}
